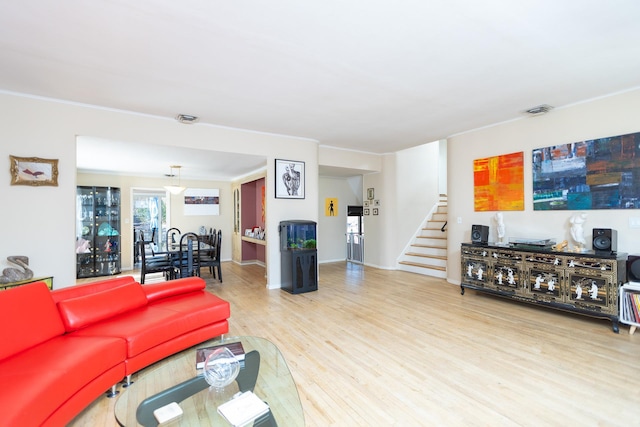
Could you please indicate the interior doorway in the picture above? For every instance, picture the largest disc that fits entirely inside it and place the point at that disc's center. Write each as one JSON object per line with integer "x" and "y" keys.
{"x": 149, "y": 213}
{"x": 355, "y": 234}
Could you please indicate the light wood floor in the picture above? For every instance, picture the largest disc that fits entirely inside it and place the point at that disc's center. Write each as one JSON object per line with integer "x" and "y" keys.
{"x": 375, "y": 347}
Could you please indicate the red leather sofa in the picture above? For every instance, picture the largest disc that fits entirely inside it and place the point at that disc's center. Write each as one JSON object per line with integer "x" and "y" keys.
{"x": 62, "y": 349}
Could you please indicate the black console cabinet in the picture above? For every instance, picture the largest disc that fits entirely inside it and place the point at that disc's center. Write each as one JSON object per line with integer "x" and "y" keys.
{"x": 585, "y": 283}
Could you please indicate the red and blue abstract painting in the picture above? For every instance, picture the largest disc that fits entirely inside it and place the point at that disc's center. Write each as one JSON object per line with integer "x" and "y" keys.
{"x": 600, "y": 173}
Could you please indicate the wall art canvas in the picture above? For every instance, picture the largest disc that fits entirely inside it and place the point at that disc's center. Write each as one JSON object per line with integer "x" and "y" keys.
{"x": 33, "y": 171}
{"x": 202, "y": 201}
{"x": 289, "y": 179}
{"x": 331, "y": 206}
{"x": 600, "y": 173}
{"x": 498, "y": 183}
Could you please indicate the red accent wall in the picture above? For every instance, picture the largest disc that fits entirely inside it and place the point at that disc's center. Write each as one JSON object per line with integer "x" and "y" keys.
{"x": 252, "y": 216}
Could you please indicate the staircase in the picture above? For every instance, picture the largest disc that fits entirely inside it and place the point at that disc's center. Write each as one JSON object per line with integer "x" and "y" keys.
{"x": 427, "y": 253}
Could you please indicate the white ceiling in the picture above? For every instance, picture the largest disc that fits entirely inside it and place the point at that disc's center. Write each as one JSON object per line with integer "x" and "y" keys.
{"x": 97, "y": 155}
{"x": 375, "y": 76}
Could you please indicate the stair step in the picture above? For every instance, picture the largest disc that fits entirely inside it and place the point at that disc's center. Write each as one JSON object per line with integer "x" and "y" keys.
{"x": 429, "y": 258}
{"x": 424, "y": 250}
{"x": 418, "y": 264}
{"x": 442, "y": 257}
{"x": 422, "y": 245}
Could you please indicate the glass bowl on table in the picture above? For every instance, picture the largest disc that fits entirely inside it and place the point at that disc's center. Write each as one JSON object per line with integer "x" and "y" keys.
{"x": 221, "y": 368}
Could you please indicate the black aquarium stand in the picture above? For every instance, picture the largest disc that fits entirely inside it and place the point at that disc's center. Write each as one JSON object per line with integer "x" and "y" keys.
{"x": 298, "y": 256}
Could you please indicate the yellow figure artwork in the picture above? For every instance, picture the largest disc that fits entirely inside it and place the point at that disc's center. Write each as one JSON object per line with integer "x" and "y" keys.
{"x": 331, "y": 207}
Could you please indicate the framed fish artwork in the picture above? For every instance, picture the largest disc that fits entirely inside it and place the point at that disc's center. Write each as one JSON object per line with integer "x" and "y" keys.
{"x": 33, "y": 171}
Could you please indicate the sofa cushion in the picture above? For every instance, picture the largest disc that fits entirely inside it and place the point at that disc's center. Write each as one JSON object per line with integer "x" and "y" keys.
{"x": 90, "y": 288}
{"x": 170, "y": 288}
{"x": 30, "y": 318}
{"x": 77, "y": 313}
{"x": 36, "y": 382}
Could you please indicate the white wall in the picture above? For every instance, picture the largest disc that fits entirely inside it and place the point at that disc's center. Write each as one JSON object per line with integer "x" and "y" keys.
{"x": 442, "y": 167}
{"x": 349, "y": 159}
{"x": 332, "y": 229}
{"x": 39, "y": 221}
{"x": 407, "y": 189}
{"x": 614, "y": 115}
{"x": 375, "y": 237}
{"x": 417, "y": 190}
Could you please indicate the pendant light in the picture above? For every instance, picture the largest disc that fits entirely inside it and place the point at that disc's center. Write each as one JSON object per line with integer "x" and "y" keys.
{"x": 174, "y": 189}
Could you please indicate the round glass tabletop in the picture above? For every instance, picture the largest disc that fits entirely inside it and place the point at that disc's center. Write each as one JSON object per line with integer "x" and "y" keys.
{"x": 176, "y": 379}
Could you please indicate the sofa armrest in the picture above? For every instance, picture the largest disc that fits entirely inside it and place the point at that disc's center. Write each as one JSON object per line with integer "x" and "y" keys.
{"x": 170, "y": 288}
{"x": 29, "y": 318}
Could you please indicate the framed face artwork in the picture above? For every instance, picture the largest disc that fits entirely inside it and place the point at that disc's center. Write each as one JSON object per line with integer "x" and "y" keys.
{"x": 290, "y": 178}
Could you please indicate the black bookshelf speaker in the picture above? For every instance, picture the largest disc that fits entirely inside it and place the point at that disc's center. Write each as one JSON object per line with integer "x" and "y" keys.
{"x": 605, "y": 240}
{"x": 480, "y": 234}
{"x": 633, "y": 268}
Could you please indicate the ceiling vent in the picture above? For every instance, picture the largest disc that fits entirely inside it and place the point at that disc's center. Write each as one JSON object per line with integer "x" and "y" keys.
{"x": 187, "y": 119}
{"x": 540, "y": 109}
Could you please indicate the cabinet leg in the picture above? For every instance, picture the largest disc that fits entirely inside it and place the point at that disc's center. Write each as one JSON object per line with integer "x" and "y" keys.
{"x": 615, "y": 327}
{"x": 461, "y": 290}
{"x": 632, "y": 329}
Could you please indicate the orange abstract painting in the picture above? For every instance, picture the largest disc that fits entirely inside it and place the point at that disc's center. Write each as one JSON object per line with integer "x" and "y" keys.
{"x": 498, "y": 183}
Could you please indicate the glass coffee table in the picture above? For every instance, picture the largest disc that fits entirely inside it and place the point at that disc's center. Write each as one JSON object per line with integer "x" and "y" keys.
{"x": 176, "y": 379}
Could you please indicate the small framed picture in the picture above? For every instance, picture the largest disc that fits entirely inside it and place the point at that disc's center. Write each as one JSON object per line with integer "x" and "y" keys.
{"x": 375, "y": 211}
{"x": 33, "y": 171}
{"x": 366, "y": 211}
{"x": 289, "y": 179}
{"x": 370, "y": 193}
{"x": 366, "y": 203}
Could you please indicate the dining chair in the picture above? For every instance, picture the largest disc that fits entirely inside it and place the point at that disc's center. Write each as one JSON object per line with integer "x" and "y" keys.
{"x": 208, "y": 255}
{"x": 187, "y": 261}
{"x": 211, "y": 257}
{"x": 136, "y": 245}
{"x": 172, "y": 233}
{"x": 149, "y": 244}
{"x": 155, "y": 265}
{"x": 152, "y": 241}
{"x": 155, "y": 256}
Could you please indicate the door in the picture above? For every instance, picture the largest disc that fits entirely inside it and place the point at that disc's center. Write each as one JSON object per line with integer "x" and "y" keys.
{"x": 149, "y": 213}
{"x": 355, "y": 234}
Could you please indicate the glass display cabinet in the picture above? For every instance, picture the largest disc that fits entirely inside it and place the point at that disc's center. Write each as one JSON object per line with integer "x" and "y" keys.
{"x": 97, "y": 231}
{"x": 299, "y": 256}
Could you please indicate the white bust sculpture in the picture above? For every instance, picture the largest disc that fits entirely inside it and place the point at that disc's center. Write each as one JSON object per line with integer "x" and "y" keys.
{"x": 577, "y": 231}
{"x": 500, "y": 228}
